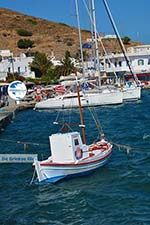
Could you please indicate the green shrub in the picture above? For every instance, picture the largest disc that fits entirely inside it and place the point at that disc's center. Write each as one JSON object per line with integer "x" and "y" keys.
{"x": 25, "y": 43}
{"x": 32, "y": 22}
{"x": 126, "y": 40}
{"x": 24, "y": 33}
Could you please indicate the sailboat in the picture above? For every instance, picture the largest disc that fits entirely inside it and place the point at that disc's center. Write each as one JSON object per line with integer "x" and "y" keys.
{"x": 97, "y": 97}
{"x": 71, "y": 156}
{"x": 131, "y": 91}
{"x": 70, "y": 100}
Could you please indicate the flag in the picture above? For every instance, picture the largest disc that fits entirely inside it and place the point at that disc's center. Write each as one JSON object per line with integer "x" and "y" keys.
{"x": 87, "y": 45}
{"x": 59, "y": 89}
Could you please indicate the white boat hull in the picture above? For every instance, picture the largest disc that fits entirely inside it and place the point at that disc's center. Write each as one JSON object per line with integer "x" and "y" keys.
{"x": 55, "y": 172}
{"x": 88, "y": 99}
{"x": 130, "y": 94}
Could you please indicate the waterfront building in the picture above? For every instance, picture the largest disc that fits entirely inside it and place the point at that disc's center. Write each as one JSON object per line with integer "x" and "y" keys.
{"x": 115, "y": 62}
{"x": 10, "y": 64}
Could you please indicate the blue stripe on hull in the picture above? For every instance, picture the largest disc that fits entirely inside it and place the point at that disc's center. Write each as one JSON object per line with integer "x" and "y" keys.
{"x": 58, "y": 178}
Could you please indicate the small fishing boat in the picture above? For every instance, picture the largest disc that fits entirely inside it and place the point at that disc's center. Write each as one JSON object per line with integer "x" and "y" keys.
{"x": 70, "y": 156}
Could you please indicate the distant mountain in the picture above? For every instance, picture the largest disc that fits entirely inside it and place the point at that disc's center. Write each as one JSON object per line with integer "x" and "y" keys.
{"x": 47, "y": 36}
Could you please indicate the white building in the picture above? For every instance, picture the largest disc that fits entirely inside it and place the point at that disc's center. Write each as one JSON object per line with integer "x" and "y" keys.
{"x": 55, "y": 61}
{"x": 109, "y": 36}
{"x": 100, "y": 37}
{"x": 10, "y": 64}
{"x": 139, "y": 49}
{"x": 139, "y": 59}
{"x": 6, "y": 53}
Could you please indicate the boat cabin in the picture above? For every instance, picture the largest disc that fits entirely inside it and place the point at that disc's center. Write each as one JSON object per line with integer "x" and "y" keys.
{"x": 66, "y": 147}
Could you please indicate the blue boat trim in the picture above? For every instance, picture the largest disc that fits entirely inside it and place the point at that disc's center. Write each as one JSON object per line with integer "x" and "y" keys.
{"x": 58, "y": 178}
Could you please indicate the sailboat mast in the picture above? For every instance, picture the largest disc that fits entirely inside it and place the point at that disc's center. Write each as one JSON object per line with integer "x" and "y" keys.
{"x": 79, "y": 31}
{"x": 92, "y": 30}
{"x": 96, "y": 43}
{"x": 81, "y": 114}
{"x": 120, "y": 41}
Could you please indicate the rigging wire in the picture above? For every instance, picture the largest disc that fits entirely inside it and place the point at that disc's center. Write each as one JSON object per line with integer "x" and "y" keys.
{"x": 97, "y": 122}
{"x": 120, "y": 147}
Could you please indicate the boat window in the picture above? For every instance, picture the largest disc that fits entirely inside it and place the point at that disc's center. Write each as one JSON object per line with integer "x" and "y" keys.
{"x": 115, "y": 64}
{"x": 140, "y": 62}
{"x": 76, "y": 142}
{"x": 148, "y": 61}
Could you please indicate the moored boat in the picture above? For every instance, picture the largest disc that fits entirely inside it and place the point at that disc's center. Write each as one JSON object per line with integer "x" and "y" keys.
{"x": 70, "y": 157}
{"x": 93, "y": 98}
{"x": 131, "y": 93}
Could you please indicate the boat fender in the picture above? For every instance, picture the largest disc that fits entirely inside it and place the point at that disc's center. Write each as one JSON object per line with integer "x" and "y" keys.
{"x": 98, "y": 146}
{"x": 94, "y": 147}
{"x": 104, "y": 146}
{"x": 78, "y": 153}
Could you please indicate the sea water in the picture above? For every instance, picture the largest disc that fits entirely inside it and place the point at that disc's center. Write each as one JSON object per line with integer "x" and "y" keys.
{"x": 118, "y": 193}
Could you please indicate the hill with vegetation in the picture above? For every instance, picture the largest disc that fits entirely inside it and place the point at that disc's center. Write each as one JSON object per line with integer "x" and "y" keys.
{"x": 22, "y": 33}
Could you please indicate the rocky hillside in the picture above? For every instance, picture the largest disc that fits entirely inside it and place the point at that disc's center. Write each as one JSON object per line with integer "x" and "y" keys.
{"x": 47, "y": 36}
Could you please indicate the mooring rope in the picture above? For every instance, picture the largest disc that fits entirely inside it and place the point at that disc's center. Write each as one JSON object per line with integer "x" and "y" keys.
{"x": 119, "y": 146}
{"x": 33, "y": 176}
{"x": 128, "y": 148}
{"x": 124, "y": 147}
{"x": 23, "y": 142}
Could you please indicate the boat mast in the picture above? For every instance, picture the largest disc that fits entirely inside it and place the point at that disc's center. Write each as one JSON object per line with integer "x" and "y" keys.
{"x": 81, "y": 114}
{"x": 120, "y": 41}
{"x": 80, "y": 38}
{"x": 96, "y": 42}
{"x": 89, "y": 9}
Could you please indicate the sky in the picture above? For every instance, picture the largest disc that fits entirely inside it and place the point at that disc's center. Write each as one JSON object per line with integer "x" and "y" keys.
{"x": 132, "y": 17}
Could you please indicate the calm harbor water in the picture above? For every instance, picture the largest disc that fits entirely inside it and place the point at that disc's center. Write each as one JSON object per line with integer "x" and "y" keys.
{"x": 118, "y": 193}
